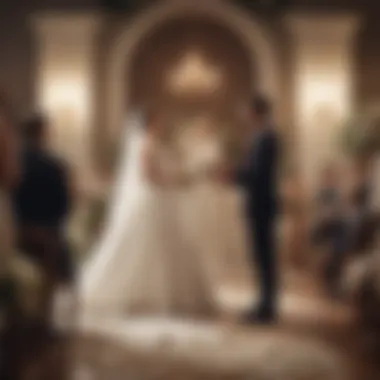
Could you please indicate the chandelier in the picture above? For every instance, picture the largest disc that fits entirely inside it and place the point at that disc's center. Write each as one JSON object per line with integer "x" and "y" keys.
{"x": 193, "y": 75}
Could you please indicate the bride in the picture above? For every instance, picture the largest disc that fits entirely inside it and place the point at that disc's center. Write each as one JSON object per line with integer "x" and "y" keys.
{"x": 146, "y": 262}
{"x": 214, "y": 210}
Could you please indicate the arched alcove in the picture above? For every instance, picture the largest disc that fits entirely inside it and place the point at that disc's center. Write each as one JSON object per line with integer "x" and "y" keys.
{"x": 168, "y": 47}
{"x": 252, "y": 34}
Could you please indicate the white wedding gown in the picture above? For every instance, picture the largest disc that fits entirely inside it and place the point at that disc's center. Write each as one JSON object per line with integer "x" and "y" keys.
{"x": 214, "y": 216}
{"x": 145, "y": 262}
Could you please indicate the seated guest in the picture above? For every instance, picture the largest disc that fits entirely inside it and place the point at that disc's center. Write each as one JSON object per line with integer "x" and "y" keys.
{"x": 42, "y": 204}
{"x": 361, "y": 212}
{"x": 346, "y": 224}
{"x": 330, "y": 228}
{"x": 328, "y": 204}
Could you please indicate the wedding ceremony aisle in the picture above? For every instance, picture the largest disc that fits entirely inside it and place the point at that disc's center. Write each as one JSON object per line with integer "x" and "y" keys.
{"x": 314, "y": 339}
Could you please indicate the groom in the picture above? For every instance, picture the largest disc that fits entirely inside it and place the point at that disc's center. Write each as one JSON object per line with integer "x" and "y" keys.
{"x": 257, "y": 177}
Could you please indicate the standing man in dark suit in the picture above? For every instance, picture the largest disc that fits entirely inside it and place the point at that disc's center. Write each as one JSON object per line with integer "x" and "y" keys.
{"x": 257, "y": 177}
{"x": 42, "y": 203}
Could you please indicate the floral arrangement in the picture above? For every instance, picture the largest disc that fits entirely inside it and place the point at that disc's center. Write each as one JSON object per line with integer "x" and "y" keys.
{"x": 361, "y": 133}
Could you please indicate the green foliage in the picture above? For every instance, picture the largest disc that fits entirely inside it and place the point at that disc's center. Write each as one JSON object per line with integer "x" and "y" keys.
{"x": 361, "y": 133}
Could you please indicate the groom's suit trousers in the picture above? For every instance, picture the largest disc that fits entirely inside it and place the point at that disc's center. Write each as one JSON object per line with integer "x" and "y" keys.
{"x": 263, "y": 257}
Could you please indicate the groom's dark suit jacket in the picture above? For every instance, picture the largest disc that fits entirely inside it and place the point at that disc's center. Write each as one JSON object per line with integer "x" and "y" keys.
{"x": 258, "y": 178}
{"x": 258, "y": 175}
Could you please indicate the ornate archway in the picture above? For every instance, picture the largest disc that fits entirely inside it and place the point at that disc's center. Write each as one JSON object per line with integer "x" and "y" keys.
{"x": 252, "y": 34}
{"x": 190, "y": 68}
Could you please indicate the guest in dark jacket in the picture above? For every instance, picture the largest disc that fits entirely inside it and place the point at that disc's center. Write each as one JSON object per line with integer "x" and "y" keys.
{"x": 344, "y": 221}
{"x": 42, "y": 204}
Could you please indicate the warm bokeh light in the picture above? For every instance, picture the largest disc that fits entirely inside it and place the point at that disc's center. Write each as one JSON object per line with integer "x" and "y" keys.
{"x": 323, "y": 89}
{"x": 62, "y": 93}
{"x": 65, "y": 99}
{"x": 323, "y": 101}
{"x": 194, "y": 75}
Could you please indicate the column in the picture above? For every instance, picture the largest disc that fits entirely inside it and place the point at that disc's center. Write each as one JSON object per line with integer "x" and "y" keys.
{"x": 323, "y": 83}
{"x": 66, "y": 57}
